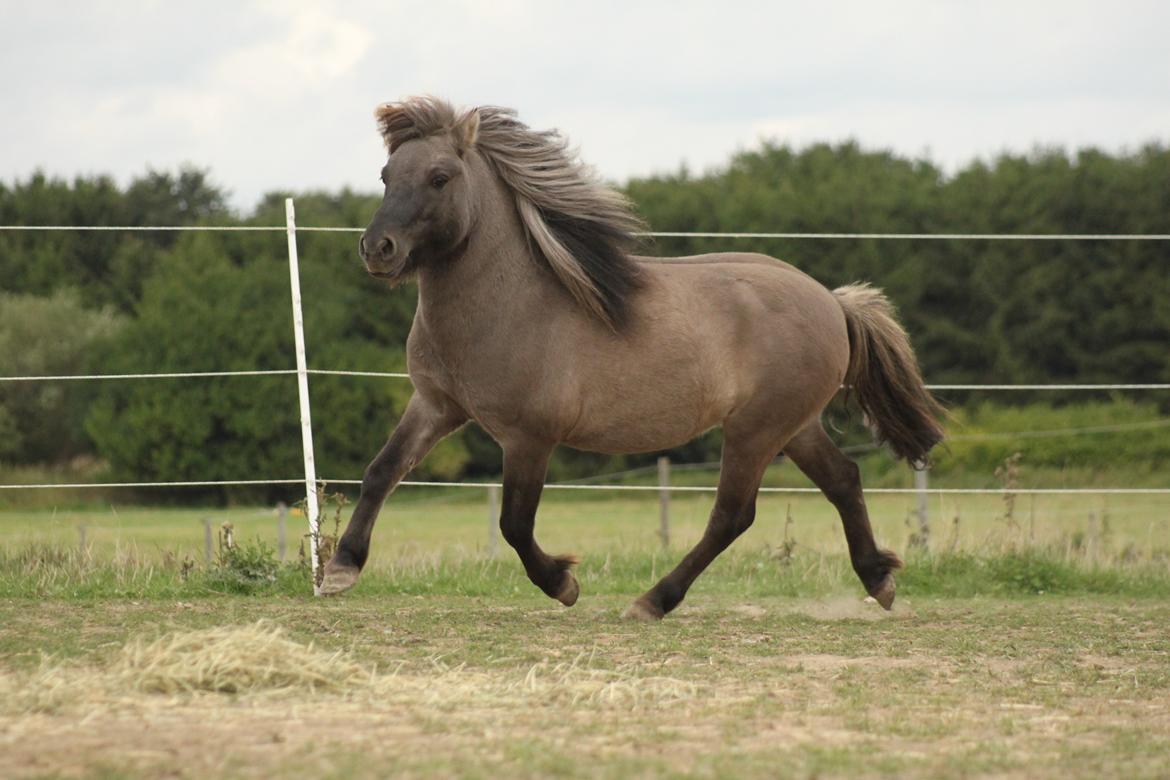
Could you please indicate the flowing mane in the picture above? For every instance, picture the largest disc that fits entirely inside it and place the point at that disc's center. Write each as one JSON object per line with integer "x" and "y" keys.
{"x": 582, "y": 228}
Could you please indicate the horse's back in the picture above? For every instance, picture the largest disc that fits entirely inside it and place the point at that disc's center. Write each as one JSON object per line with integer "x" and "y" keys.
{"x": 741, "y": 278}
{"x": 716, "y": 258}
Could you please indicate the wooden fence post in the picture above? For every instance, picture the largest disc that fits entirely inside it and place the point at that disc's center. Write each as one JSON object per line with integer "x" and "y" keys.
{"x": 281, "y": 520}
{"x": 1091, "y": 538}
{"x": 207, "y": 540}
{"x": 664, "y": 501}
{"x": 923, "y": 510}
{"x": 493, "y": 504}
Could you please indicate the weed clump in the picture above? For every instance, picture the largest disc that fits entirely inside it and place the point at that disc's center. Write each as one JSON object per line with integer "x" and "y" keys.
{"x": 325, "y": 543}
{"x": 241, "y": 567}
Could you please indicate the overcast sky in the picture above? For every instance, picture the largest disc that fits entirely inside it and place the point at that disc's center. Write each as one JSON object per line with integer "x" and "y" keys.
{"x": 279, "y": 95}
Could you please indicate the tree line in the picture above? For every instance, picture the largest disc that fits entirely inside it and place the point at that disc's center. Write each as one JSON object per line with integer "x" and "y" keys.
{"x": 129, "y": 302}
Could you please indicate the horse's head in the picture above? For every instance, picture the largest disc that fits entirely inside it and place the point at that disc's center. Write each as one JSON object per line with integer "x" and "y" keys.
{"x": 426, "y": 210}
{"x": 450, "y": 171}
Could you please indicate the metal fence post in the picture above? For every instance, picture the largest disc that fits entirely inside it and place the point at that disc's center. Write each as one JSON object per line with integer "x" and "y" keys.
{"x": 664, "y": 501}
{"x": 294, "y": 274}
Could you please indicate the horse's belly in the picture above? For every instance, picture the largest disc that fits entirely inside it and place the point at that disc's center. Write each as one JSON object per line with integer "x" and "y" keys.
{"x": 628, "y": 425}
{"x": 627, "y": 440}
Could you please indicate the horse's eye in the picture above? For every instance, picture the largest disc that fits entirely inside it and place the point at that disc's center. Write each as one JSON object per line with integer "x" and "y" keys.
{"x": 439, "y": 180}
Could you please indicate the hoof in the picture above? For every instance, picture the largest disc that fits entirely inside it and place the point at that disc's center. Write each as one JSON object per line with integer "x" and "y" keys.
{"x": 338, "y": 579}
{"x": 884, "y": 592}
{"x": 569, "y": 591}
{"x": 643, "y": 612}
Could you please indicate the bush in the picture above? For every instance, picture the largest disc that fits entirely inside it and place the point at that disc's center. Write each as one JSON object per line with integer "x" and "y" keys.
{"x": 1089, "y": 434}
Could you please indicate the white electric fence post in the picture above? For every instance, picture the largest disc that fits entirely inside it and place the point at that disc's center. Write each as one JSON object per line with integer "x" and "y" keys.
{"x": 294, "y": 274}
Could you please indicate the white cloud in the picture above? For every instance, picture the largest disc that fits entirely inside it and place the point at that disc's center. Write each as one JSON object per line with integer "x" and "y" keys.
{"x": 312, "y": 50}
{"x": 278, "y": 95}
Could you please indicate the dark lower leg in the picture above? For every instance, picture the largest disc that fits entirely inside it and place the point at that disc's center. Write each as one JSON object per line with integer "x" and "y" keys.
{"x": 724, "y": 526}
{"x": 733, "y": 513}
{"x": 838, "y": 477}
{"x": 383, "y": 473}
{"x": 422, "y": 425}
{"x": 524, "y": 471}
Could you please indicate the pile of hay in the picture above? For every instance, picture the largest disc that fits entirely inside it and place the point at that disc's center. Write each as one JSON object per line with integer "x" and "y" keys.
{"x": 237, "y": 659}
{"x": 261, "y": 660}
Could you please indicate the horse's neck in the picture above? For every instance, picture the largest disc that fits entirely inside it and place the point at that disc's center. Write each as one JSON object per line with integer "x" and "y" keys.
{"x": 494, "y": 284}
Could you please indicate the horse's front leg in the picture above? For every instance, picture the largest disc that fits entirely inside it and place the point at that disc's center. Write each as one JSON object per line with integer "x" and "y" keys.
{"x": 424, "y": 423}
{"x": 525, "y": 466}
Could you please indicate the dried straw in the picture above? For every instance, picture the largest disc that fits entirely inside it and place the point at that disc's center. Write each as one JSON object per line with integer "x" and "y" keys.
{"x": 260, "y": 660}
{"x": 236, "y": 659}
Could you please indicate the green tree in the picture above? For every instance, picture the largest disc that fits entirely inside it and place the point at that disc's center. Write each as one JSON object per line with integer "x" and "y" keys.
{"x": 106, "y": 268}
{"x": 47, "y": 336}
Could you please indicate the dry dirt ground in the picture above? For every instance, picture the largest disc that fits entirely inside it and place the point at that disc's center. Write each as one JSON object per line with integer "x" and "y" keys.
{"x": 461, "y": 686}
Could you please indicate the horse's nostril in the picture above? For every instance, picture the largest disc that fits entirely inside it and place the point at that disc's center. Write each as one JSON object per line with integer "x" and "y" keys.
{"x": 386, "y": 247}
{"x": 362, "y": 245}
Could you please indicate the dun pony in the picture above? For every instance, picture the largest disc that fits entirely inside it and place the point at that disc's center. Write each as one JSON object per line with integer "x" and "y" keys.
{"x": 536, "y": 321}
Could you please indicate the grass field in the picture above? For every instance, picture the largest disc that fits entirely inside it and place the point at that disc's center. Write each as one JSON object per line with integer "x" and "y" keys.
{"x": 1034, "y": 646}
{"x": 417, "y": 523}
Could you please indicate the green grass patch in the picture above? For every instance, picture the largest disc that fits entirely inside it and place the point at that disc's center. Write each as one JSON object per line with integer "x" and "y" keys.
{"x": 47, "y": 571}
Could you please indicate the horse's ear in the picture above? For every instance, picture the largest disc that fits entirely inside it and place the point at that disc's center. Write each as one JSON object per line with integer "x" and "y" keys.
{"x": 466, "y": 130}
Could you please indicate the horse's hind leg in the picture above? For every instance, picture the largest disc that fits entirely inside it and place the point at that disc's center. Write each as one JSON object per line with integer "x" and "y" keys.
{"x": 741, "y": 469}
{"x": 837, "y": 476}
{"x": 525, "y": 466}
